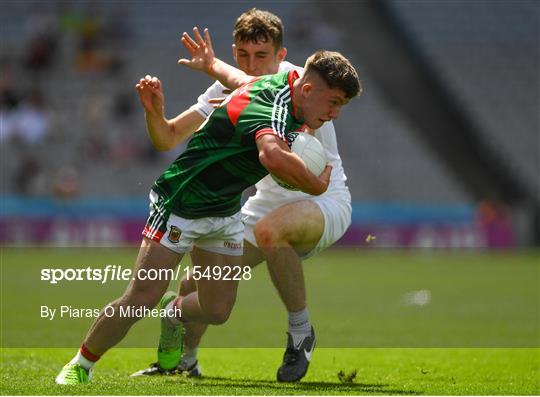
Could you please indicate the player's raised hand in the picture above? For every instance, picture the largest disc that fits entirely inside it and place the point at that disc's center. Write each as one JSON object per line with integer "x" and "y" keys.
{"x": 200, "y": 50}
{"x": 151, "y": 95}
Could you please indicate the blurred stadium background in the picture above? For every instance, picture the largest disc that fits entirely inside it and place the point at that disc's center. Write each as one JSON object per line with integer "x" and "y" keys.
{"x": 442, "y": 149}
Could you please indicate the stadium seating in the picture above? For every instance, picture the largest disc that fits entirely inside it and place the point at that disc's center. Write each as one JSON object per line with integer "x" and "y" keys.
{"x": 489, "y": 69}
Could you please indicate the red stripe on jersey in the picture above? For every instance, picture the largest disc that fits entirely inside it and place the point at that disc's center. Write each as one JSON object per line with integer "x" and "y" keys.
{"x": 158, "y": 236}
{"x": 146, "y": 232}
{"x": 239, "y": 101}
{"x": 291, "y": 77}
{"x": 268, "y": 131}
{"x": 152, "y": 234}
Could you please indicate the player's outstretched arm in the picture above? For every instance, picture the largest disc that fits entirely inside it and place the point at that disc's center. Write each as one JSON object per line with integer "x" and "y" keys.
{"x": 164, "y": 134}
{"x": 275, "y": 156}
{"x": 203, "y": 59}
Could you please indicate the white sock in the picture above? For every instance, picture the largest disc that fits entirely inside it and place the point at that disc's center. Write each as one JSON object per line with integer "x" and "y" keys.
{"x": 84, "y": 362}
{"x": 170, "y": 309}
{"x": 299, "y": 326}
{"x": 189, "y": 356}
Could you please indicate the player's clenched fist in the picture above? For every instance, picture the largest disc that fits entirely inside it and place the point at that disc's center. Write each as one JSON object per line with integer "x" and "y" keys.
{"x": 151, "y": 95}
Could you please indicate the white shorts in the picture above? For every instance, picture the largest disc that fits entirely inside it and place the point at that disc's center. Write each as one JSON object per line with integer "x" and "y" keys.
{"x": 335, "y": 207}
{"x": 215, "y": 234}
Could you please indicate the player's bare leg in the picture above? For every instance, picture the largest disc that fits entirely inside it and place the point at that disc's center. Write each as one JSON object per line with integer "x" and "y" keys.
{"x": 110, "y": 329}
{"x": 203, "y": 300}
{"x": 282, "y": 235}
{"x": 189, "y": 365}
{"x": 214, "y": 299}
{"x": 194, "y": 331}
{"x": 251, "y": 257}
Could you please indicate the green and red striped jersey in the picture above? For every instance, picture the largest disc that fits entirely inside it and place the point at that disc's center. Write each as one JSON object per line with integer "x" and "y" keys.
{"x": 221, "y": 159}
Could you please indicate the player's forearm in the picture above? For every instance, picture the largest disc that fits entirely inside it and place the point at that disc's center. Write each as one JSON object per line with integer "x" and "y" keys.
{"x": 159, "y": 130}
{"x": 228, "y": 75}
{"x": 291, "y": 169}
{"x": 166, "y": 134}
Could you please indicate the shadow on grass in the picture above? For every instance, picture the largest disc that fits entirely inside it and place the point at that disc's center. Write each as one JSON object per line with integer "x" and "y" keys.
{"x": 313, "y": 387}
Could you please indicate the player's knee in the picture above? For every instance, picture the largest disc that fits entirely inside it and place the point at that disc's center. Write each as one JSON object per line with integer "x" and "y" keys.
{"x": 218, "y": 315}
{"x": 218, "y": 312}
{"x": 267, "y": 235}
{"x": 218, "y": 318}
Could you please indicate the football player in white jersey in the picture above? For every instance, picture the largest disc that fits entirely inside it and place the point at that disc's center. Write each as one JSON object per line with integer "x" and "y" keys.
{"x": 282, "y": 227}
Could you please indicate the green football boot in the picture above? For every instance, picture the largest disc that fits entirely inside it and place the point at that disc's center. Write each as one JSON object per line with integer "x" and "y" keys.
{"x": 73, "y": 374}
{"x": 170, "y": 340}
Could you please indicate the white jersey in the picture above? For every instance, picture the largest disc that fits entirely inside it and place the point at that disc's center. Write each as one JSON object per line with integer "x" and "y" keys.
{"x": 326, "y": 134}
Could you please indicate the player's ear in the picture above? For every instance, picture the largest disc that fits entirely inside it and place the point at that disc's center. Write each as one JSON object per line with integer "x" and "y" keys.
{"x": 306, "y": 89}
{"x": 281, "y": 54}
{"x": 233, "y": 47}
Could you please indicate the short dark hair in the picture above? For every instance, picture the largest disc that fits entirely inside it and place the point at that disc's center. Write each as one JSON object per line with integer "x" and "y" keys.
{"x": 336, "y": 70}
{"x": 256, "y": 26}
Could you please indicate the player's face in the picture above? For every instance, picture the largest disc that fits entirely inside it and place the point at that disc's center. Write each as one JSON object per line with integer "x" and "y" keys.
{"x": 320, "y": 103}
{"x": 257, "y": 59}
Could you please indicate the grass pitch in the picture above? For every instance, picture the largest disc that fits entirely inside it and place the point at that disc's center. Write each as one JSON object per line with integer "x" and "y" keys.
{"x": 409, "y": 322}
{"x": 252, "y": 372}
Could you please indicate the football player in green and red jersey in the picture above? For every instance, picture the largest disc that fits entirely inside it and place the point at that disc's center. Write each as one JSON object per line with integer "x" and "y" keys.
{"x": 195, "y": 203}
